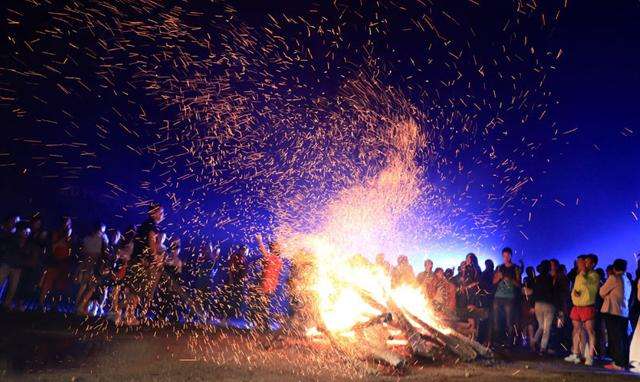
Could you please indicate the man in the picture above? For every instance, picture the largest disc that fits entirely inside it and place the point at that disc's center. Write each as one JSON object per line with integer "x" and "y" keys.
{"x": 236, "y": 282}
{"x": 382, "y": 262}
{"x": 486, "y": 299}
{"x": 145, "y": 250}
{"x": 271, "y": 268}
{"x": 425, "y": 278}
{"x": 583, "y": 313}
{"x": 32, "y": 264}
{"x": 615, "y": 293}
{"x": 403, "y": 272}
{"x": 56, "y": 274}
{"x": 15, "y": 250}
{"x": 94, "y": 251}
{"x": 506, "y": 280}
{"x": 561, "y": 303}
{"x": 444, "y": 297}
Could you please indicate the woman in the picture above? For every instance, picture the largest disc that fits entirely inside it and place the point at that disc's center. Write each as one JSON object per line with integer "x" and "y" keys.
{"x": 527, "y": 307}
{"x": 56, "y": 274}
{"x": 634, "y": 353}
{"x": 544, "y": 296}
{"x": 469, "y": 292}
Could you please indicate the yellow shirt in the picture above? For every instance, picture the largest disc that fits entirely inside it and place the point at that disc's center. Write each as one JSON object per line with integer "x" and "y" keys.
{"x": 585, "y": 289}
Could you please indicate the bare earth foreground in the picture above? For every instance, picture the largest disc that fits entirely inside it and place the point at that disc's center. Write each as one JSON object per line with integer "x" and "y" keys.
{"x": 54, "y": 348}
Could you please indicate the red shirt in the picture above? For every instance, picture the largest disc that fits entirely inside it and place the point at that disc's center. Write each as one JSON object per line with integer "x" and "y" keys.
{"x": 272, "y": 265}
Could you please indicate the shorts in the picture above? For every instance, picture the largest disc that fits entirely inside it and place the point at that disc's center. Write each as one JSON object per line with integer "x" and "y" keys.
{"x": 583, "y": 313}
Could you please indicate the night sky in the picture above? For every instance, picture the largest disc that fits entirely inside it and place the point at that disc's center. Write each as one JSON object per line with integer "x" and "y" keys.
{"x": 586, "y": 178}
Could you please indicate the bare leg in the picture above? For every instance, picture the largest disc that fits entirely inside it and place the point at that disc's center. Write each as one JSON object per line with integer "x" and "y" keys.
{"x": 84, "y": 299}
{"x": 591, "y": 336}
{"x": 531, "y": 333}
{"x": 103, "y": 300}
{"x": 576, "y": 337}
{"x": 12, "y": 286}
{"x": 115, "y": 304}
{"x": 131, "y": 305}
{"x": 45, "y": 288}
{"x": 83, "y": 285}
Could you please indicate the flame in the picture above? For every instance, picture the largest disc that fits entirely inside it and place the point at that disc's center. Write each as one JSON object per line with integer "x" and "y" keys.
{"x": 361, "y": 222}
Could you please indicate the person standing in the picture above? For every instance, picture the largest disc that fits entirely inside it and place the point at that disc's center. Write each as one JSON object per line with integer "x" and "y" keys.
{"x": 486, "y": 299}
{"x": 507, "y": 282}
{"x": 615, "y": 294}
{"x": 544, "y": 296}
{"x": 527, "y": 308}
{"x": 468, "y": 295}
{"x": 271, "y": 268}
{"x": 425, "y": 278}
{"x": 583, "y": 313}
{"x": 634, "y": 349}
{"x": 562, "y": 339}
{"x": 403, "y": 272}
{"x": 32, "y": 263}
{"x": 237, "y": 274}
{"x": 123, "y": 251}
{"x": 94, "y": 250}
{"x": 56, "y": 274}
{"x": 15, "y": 252}
{"x": 444, "y": 298}
{"x": 138, "y": 273}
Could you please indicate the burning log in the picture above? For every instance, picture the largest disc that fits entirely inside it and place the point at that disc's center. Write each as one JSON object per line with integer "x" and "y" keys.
{"x": 425, "y": 340}
{"x": 373, "y": 340}
{"x": 393, "y": 328}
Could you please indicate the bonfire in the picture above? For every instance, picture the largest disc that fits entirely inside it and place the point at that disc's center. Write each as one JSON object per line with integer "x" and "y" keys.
{"x": 354, "y": 303}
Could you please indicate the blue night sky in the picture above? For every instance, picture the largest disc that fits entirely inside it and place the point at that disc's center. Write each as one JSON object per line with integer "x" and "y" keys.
{"x": 587, "y": 182}
{"x": 598, "y": 86}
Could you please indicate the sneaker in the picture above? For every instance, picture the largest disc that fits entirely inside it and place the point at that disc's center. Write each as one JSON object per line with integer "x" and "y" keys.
{"x": 588, "y": 361}
{"x": 613, "y": 366}
{"x": 573, "y": 358}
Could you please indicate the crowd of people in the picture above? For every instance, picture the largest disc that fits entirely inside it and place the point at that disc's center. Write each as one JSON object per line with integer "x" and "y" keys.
{"x": 132, "y": 276}
{"x": 586, "y": 312}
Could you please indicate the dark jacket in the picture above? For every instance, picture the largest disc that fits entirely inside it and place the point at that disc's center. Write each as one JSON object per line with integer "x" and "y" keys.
{"x": 544, "y": 290}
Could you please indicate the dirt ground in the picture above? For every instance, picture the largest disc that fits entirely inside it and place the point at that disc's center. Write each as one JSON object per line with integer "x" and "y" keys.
{"x": 55, "y": 348}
